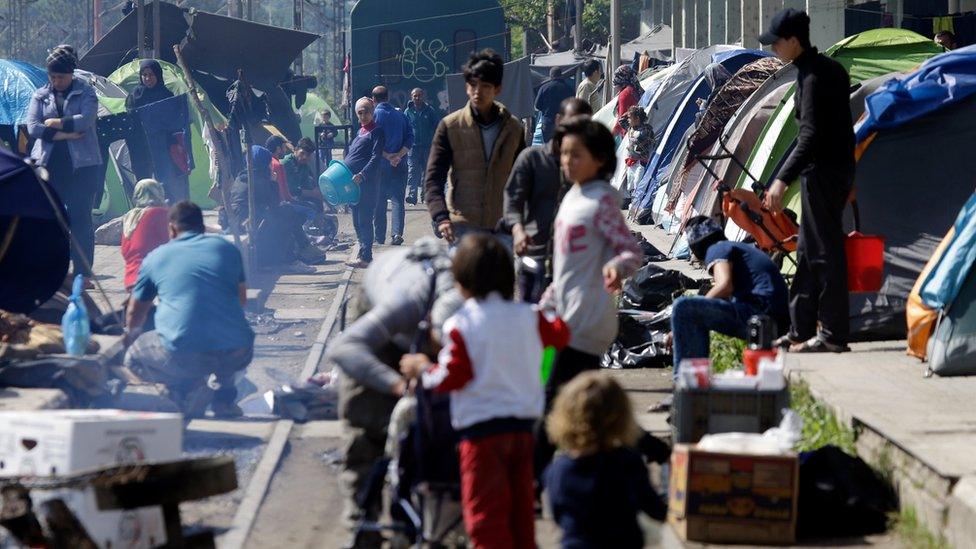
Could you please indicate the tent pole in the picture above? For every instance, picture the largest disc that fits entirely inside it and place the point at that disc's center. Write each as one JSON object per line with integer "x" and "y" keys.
{"x": 220, "y": 150}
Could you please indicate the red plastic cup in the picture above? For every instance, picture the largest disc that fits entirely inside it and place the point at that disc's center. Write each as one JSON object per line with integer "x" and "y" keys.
{"x": 751, "y": 358}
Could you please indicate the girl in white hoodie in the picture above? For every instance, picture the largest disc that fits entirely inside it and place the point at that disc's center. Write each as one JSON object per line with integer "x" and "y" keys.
{"x": 594, "y": 252}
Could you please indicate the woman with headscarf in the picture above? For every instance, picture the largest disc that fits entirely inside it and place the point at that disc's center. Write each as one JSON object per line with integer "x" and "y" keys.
{"x": 151, "y": 87}
{"x": 629, "y": 92}
{"x": 144, "y": 228}
{"x": 716, "y": 76}
{"x": 61, "y": 120}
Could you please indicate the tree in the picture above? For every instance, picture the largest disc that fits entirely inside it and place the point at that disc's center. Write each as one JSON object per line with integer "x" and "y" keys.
{"x": 596, "y": 20}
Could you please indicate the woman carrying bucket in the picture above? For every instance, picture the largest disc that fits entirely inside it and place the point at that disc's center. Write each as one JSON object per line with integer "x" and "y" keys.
{"x": 361, "y": 164}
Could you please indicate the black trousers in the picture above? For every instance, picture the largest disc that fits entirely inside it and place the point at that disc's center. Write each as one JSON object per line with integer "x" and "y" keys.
{"x": 77, "y": 188}
{"x": 568, "y": 364}
{"x": 819, "y": 292}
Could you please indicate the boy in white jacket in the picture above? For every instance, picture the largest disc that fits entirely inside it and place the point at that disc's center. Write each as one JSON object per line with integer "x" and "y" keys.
{"x": 490, "y": 363}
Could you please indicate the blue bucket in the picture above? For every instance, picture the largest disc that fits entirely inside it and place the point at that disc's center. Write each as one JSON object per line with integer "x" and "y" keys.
{"x": 337, "y": 185}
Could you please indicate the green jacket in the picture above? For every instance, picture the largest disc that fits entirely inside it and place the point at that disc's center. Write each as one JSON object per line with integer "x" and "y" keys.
{"x": 423, "y": 121}
{"x": 299, "y": 176}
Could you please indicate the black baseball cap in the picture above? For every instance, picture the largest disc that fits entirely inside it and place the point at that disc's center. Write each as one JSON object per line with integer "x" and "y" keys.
{"x": 786, "y": 24}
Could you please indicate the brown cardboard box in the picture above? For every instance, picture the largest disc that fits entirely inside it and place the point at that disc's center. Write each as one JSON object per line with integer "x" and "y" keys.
{"x": 733, "y": 498}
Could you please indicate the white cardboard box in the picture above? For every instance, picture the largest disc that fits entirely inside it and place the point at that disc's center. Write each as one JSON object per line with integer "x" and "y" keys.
{"x": 58, "y": 442}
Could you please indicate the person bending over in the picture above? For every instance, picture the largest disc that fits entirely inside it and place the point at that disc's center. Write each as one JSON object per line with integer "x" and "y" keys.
{"x": 746, "y": 283}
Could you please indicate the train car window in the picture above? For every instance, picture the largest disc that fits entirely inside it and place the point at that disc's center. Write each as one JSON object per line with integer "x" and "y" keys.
{"x": 465, "y": 42}
{"x": 391, "y": 47}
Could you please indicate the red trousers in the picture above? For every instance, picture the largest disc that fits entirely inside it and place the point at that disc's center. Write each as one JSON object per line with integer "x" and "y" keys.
{"x": 497, "y": 491}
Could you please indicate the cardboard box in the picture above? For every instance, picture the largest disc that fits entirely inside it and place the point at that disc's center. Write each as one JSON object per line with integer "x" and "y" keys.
{"x": 733, "y": 498}
{"x": 62, "y": 442}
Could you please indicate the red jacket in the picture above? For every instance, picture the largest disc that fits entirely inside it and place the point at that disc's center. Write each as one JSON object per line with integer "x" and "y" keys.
{"x": 151, "y": 233}
{"x": 628, "y": 98}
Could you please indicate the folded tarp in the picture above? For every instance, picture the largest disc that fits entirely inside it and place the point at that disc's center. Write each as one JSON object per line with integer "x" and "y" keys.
{"x": 941, "y": 81}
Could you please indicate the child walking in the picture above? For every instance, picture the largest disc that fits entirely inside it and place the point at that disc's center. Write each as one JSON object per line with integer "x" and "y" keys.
{"x": 599, "y": 484}
{"x": 641, "y": 136}
{"x": 594, "y": 252}
{"x": 490, "y": 363}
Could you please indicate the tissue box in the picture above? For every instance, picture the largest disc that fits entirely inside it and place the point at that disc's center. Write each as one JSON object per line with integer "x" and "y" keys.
{"x": 733, "y": 498}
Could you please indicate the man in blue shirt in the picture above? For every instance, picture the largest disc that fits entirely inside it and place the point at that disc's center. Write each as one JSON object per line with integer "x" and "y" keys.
{"x": 423, "y": 120}
{"x": 200, "y": 324}
{"x": 398, "y": 140}
{"x": 746, "y": 283}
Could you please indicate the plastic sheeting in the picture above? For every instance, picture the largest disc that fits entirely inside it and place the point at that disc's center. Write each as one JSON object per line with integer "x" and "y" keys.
{"x": 34, "y": 261}
{"x": 683, "y": 117}
{"x": 516, "y": 93}
{"x": 941, "y": 81}
{"x": 18, "y": 82}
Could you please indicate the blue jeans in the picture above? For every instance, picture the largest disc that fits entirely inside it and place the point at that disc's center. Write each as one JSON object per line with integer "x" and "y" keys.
{"x": 363, "y": 214}
{"x": 393, "y": 184}
{"x": 693, "y": 317}
{"x": 416, "y": 166}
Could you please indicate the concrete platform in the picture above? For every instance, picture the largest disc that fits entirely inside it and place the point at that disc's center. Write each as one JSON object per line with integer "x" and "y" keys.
{"x": 920, "y": 432}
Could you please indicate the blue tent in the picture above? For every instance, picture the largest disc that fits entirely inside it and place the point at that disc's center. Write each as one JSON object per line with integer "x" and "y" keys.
{"x": 941, "y": 81}
{"x": 18, "y": 82}
{"x": 681, "y": 120}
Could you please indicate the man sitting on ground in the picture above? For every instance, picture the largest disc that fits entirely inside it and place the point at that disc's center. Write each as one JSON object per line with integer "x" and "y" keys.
{"x": 746, "y": 283}
{"x": 301, "y": 182}
{"x": 200, "y": 324}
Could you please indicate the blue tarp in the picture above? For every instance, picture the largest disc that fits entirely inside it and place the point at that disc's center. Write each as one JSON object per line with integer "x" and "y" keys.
{"x": 682, "y": 119}
{"x": 939, "y": 82}
{"x": 18, "y": 82}
{"x": 943, "y": 283}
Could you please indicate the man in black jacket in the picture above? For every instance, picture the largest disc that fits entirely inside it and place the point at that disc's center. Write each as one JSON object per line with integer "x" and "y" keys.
{"x": 532, "y": 197}
{"x": 823, "y": 159}
{"x": 550, "y": 97}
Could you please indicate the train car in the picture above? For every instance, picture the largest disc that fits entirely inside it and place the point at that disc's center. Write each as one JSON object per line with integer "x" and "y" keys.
{"x": 405, "y": 45}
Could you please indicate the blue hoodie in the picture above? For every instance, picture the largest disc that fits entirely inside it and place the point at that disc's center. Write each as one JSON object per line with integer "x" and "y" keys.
{"x": 395, "y": 126}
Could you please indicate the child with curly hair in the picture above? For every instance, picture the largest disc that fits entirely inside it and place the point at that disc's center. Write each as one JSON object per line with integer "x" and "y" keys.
{"x": 599, "y": 483}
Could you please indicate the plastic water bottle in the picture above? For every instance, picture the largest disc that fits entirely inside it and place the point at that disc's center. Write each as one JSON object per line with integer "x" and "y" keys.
{"x": 74, "y": 324}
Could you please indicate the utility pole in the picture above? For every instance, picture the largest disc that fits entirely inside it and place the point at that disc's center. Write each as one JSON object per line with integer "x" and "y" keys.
{"x": 299, "y": 13}
{"x": 614, "y": 37}
{"x": 250, "y": 10}
{"x": 97, "y": 19}
{"x": 578, "y": 26}
{"x": 141, "y": 28}
{"x": 550, "y": 22}
{"x": 157, "y": 33}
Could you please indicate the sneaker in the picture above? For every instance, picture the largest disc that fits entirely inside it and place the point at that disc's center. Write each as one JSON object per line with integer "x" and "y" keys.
{"x": 357, "y": 263}
{"x": 396, "y": 240}
{"x": 412, "y": 200}
{"x": 297, "y": 267}
{"x": 226, "y": 409}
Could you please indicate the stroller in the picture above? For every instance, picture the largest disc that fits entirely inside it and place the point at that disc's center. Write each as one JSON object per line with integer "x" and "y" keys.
{"x": 425, "y": 492}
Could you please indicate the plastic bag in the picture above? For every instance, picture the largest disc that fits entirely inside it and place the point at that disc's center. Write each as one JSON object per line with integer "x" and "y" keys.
{"x": 653, "y": 288}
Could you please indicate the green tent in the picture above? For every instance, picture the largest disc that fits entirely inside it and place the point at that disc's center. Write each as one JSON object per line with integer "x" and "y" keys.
{"x": 127, "y": 77}
{"x": 866, "y": 55}
{"x": 313, "y": 105}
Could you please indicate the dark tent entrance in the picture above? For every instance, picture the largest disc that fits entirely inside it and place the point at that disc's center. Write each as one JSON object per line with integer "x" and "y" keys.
{"x": 909, "y": 180}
